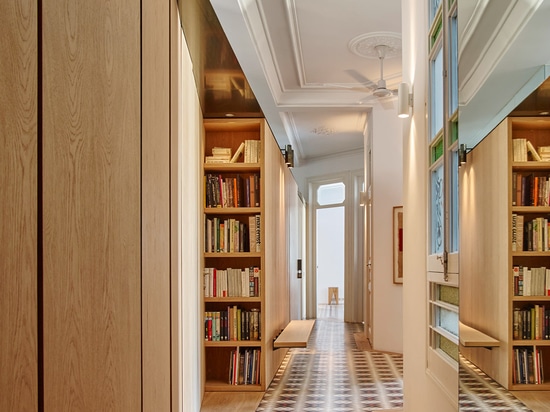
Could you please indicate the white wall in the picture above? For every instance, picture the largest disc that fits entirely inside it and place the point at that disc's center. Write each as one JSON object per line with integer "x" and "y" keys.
{"x": 326, "y": 167}
{"x": 421, "y": 393}
{"x": 189, "y": 157}
{"x": 387, "y": 174}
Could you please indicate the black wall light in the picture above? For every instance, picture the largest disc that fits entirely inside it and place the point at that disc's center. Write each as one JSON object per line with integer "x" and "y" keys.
{"x": 288, "y": 153}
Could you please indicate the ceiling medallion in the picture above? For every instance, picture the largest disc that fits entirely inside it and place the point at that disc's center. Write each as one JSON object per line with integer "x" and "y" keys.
{"x": 364, "y": 45}
{"x": 322, "y": 131}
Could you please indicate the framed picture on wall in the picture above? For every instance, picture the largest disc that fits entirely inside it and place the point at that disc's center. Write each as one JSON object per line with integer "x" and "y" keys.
{"x": 398, "y": 244}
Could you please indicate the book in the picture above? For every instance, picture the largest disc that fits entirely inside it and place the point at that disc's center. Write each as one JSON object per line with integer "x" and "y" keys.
{"x": 238, "y": 153}
{"x": 519, "y": 150}
{"x": 534, "y": 153}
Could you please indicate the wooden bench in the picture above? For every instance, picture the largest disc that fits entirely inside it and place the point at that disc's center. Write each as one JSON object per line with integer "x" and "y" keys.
{"x": 470, "y": 337}
{"x": 295, "y": 335}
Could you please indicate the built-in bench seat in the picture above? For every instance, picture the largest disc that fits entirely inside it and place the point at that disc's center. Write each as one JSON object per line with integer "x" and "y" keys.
{"x": 295, "y": 334}
{"x": 470, "y": 337}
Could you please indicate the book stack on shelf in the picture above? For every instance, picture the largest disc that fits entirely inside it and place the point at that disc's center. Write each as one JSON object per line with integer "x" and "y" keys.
{"x": 219, "y": 155}
{"x": 233, "y": 324}
{"x": 232, "y": 235}
{"x": 531, "y": 281}
{"x": 238, "y": 190}
{"x": 530, "y": 236}
{"x": 530, "y": 189}
{"x": 232, "y": 282}
{"x": 244, "y": 367}
{"x": 532, "y": 322}
{"x": 528, "y": 366}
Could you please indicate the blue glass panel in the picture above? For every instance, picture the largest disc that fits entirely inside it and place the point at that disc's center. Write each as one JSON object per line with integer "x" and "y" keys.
{"x": 448, "y": 320}
{"x": 436, "y": 210}
{"x": 434, "y": 5}
{"x": 436, "y": 94}
{"x": 453, "y": 66}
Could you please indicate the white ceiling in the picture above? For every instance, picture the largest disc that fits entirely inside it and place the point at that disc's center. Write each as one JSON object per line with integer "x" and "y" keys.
{"x": 302, "y": 63}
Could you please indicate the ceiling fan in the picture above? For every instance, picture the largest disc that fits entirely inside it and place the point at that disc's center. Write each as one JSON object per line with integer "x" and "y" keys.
{"x": 379, "y": 88}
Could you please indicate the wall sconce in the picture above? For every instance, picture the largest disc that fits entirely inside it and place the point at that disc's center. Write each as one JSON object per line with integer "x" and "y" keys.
{"x": 288, "y": 154}
{"x": 362, "y": 198}
{"x": 462, "y": 151}
{"x": 404, "y": 100}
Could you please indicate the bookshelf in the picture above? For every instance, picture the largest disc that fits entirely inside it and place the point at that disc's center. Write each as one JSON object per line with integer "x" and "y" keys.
{"x": 242, "y": 281}
{"x": 529, "y": 353}
{"x": 504, "y": 248}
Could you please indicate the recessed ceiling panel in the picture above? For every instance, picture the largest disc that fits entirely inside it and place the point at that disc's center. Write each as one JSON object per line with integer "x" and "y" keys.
{"x": 328, "y": 131}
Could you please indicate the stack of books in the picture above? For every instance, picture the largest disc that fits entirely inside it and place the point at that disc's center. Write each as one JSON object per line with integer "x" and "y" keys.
{"x": 219, "y": 155}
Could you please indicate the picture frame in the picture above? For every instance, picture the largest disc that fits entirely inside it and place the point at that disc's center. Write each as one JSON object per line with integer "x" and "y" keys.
{"x": 398, "y": 244}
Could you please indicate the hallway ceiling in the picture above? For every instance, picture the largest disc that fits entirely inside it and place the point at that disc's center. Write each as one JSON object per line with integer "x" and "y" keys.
{"x": 303, "y": 64}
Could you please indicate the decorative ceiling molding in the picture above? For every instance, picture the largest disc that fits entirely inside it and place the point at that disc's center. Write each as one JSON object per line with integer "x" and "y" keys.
{"x": 478, "y": 59}
{"x": 364, "y": 45}
{"x": 255, "y": 20}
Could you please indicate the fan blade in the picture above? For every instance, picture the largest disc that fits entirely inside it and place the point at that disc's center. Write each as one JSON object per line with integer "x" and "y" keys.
{"x": 361, "y": 79}
{"x": 343, "y": 86}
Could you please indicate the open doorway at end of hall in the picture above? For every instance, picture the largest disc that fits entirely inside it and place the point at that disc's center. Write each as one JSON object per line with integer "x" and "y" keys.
{"x": 336, "y": 236}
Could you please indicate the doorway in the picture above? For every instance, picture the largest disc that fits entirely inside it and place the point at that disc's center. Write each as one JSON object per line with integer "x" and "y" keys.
{"x": 336, "y": 253}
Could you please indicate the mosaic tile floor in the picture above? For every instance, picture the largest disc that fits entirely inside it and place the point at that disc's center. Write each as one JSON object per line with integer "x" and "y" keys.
{"x": 478, "y": 392}
{"x": 332, "y": 375}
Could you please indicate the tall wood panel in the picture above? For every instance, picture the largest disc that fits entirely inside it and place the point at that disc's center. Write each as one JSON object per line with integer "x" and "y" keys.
{"x": 18, "y": 206}
{"x": 484, "y": 249}
{"x": 156, "y": 204}
{"x": 277, "y": 287}
{"x": 91, "y": 205}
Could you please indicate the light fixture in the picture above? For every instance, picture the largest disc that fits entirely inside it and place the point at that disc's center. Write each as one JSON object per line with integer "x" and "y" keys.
{"x": 288, "y": 154}
{"x": 404, "y": 100}
{"x": 462, "y": 151}
{"x": 362, "y": 198}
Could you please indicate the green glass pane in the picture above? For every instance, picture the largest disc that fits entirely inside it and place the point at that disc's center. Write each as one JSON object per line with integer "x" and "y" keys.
{"x": 437, "y": 151}
{"x": 438, "y": 25}
{"x": 454, "y": 132}
{"x": 450, "y": 348}
{"x": 448, "y": 294}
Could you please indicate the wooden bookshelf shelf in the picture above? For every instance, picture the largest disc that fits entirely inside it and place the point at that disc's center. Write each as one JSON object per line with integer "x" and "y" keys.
{"x": 531, "y": 254}
{"x": 531, "y": 387}
{"x": 531, "y": 342}
{"x": 531, "y": 299}
{"x": 234, "y": 343}
{"x": 531, "y": 209}
{"x": 231, "y": 167}
{"x": 232, "y": 254}
{"x": 233, "y": 299}
{"x": 219, "y": 386}
{"x": 231, "y": 210}
{"x": 532, "y": 165}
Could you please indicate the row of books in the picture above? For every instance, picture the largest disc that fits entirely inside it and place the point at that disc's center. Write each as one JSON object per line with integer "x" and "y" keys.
{"x": 244, "y": 367}
{"x": 528, "y": 366}
{"x": 231, "y": 235}
{"x": 531, "y": 235}
{"x": 232, "y": 191}
{"x": 531, "y": 323}
{"x": 522, "y": 149}
{"x": 531, "y": 281}
{"x": 233, "y": 324}
{"x": 232, "y": 282}
{"x": 251, "y": 149}
{"x": 529, "y": 189}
